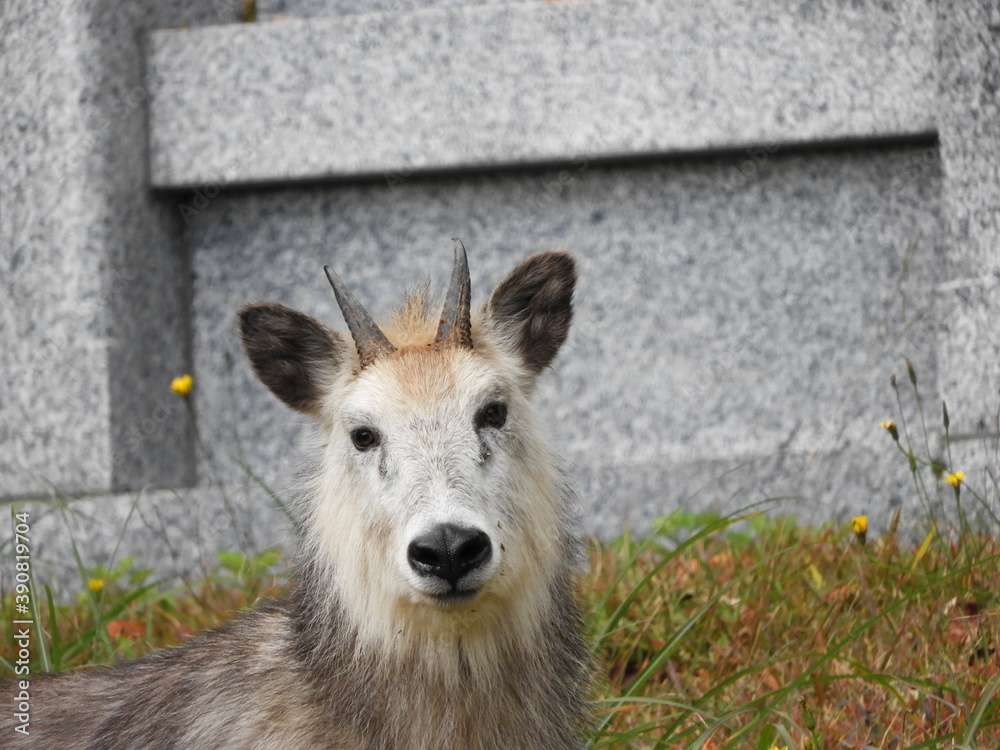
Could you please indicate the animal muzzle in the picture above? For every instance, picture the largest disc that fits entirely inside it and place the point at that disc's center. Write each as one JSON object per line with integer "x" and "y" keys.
{"x": 451, "y": 556}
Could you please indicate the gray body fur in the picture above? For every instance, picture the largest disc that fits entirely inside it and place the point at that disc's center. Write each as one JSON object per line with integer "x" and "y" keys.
{"x": 278, "y": 679}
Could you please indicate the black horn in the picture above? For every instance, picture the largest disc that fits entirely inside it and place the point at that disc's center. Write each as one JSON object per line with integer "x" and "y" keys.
{"x": 455, "y": 329}
{"x": 368, "y": 337}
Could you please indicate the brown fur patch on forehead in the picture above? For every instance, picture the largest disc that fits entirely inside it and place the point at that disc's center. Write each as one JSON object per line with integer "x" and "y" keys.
{"x": 413, "y": 323}
{"x": 421, "y": 371}
{"x": 422, "y": 374}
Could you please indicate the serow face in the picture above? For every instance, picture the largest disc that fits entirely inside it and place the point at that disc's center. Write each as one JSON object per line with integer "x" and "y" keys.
{"x": 435, "y": 442}
{"x": 435, "y": 488}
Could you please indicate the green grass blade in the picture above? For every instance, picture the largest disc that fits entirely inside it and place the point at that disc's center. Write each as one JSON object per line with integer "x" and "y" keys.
{"x": 612, "y": 622}
{"x": 56, "y": 643}
{"x": 43, "y": 651}
{"x": 984, "y": 703}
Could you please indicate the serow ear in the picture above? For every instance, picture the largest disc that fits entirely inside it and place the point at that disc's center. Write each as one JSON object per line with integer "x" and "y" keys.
{"x": 292, "y": 354}
{"x": 532, "y": 308}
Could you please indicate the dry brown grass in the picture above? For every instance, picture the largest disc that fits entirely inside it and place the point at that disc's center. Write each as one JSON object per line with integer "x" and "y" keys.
{"x": 778, "y": 634}
{"x": 802, "y": 635}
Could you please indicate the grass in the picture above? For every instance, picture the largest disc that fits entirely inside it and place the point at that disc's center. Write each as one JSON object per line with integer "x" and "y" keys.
{"x": 748, "y": 631}
{"x": 775, "y": 633}
{"x": 118, "y": 615}
{"x": 798, "y": 637}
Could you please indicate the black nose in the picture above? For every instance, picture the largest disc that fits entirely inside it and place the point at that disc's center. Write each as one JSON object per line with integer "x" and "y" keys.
{"x": 449, "y": 552}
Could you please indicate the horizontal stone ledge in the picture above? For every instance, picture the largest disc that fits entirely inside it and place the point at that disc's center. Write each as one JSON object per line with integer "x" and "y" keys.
{"x": 491, "y": 86}
{"x": 177, "y": 533}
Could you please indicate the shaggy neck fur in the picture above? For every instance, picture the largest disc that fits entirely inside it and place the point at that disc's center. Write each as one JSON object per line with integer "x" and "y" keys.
{"x": 523, "y": 698}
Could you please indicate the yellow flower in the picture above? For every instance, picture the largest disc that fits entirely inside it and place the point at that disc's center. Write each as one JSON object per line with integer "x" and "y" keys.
{"x": 860, "y": 526}
{"x": 891, "y": 427}
{"x": 95, "y": 584}
{"x": 775, "y": 747}
{"x": 955, "y": 479}
{"x": 182, "y": 385}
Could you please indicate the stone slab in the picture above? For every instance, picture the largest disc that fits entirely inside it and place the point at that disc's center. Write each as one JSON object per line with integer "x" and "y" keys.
{"x": 870, "y": 480}
{"x": 479, "y": 87}
{"x": 969, "y": 350}
{"x": 969, "y": 126}
{"x": 55, "y": 406}
{"x": 284, "y": 9}
{"x": 94, "y": 315}
{"x": 722, "y": 316}
{"x": 177, "y": 534}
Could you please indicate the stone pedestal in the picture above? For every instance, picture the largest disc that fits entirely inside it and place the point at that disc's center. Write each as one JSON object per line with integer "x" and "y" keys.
{"x": 772, "y": 209}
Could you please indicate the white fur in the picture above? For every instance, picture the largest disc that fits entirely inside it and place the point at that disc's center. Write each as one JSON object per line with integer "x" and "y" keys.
{"x": 368, "y": 506}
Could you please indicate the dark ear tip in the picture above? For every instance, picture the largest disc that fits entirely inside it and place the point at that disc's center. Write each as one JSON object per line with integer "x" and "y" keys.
{"x": 555, "y": 256}
{"x": 251, "y": 315}
{"x": 559, "y": 269}
{"x": 248, "y": 315}
{"x": 555, "y": 263}
{"x": 248, "y": 311}
{"x": 535, "y": 306}
{"x": 559, "y": 256}
{"x": 291, "y": 353}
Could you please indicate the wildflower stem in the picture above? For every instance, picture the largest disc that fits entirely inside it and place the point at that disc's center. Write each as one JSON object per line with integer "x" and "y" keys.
{"x": 918, "y": 481}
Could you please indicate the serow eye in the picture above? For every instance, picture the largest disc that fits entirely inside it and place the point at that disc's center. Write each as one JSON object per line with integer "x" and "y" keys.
{"x": 493, "y": 415}
{"x": 364, "y": 438}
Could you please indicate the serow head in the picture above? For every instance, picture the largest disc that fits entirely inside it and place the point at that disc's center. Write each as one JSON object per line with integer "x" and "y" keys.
{"x": 434, "y": 488}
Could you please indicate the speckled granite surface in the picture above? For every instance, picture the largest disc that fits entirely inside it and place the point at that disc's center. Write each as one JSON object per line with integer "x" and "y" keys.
{"x": 94, "y": 314}
{"x": 738, "y": 314}
{"x": 284, "y": 9}
{"x": 482, "y": 86}
{"x": 969, "y": 122}
{"x": 52, "y": 319}
{"x": 969, "y": 297}
{"x": 715, "y": 322}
